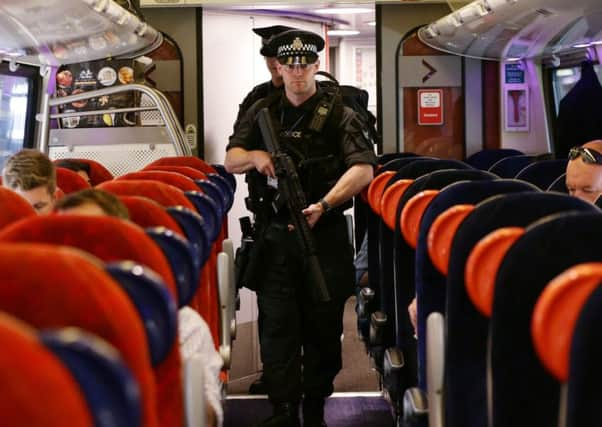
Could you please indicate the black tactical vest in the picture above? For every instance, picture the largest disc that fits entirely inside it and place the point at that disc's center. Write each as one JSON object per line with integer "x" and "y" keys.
{"x": 317, "y": 155}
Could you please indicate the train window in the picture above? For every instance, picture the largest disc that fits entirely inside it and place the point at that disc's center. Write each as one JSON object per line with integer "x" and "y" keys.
{"x": 16, "y": 92}
{"x": 563, "y": 80}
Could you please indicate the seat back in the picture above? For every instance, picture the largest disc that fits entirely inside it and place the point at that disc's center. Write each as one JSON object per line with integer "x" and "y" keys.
{"x": 71, "y": 289}
{"x": 484, "y": 159}
{"x": 190, "y": 161}
{"x": 585, "y": 371}
{"x": 467, "y": 328}
{"x": 107, "y": 384}
{"x": 543, "y": 173}
{"x": 147, "y": 213}
{"x": 508, "y": 167}
{"x": 110, "y": 239}
{"x": 172, "y": 178}
{"x": 545, "y": 250}
{"x": 98, "y": 173}
{"x": 164, "y": 194}
{"x": 429, "y": 281}
{"x": 559, "y": 185}
{"x": 70, "y": 181}
{"x": 36, "y": 389}
{"x": 13, "y": 207}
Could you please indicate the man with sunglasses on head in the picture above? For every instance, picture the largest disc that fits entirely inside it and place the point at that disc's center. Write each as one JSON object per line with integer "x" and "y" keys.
{"x": 334, "y": 160}
{"x": 584, "y": 171}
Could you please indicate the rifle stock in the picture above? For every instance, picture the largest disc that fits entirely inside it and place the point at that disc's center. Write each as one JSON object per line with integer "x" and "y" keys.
{"x": 290, "y": 188}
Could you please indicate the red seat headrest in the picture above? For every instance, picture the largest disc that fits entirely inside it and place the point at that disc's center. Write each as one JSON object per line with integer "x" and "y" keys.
{"x": 70, "y": 181}
{"x": 164, "y": 194}
{"x": 55, "y": 286}
{"x": 108, "y": 238}
{"x": 177, "y": 180}
{"x": 36, "y": 389}
{"x": 191, "y": 173}
{"x": 13, "y": 207}
{"x": 190, "y": 161}
{"x": 148, "y": 213}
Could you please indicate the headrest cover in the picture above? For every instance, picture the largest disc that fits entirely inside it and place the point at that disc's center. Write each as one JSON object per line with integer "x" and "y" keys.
{"x": 442, "y": 233}
{"x": 483, "y": 264}
{"x": 556, "y": 312}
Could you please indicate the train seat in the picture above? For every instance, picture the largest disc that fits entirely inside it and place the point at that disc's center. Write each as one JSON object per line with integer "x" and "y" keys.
{"x": 147, "y": 213}
{"x": 176, "y": 204}
{"x": 72, "y": 289}
{"x": 546, "y": 249}
{"x": 445, "y": 190}
{"x": 467, "y": 329}
{"x": 559, "y": 185}
{"x": 508, "y": 167}
{"x": 583, "y": 399}
{"x": 36, "y": 388}
{"x": 562, "y": 320}
{"x": 543, "y": 173}
{"x": 70, "y": 181}
{"x": 109, "y": 388}
{"x": 204, "y": 204}
{"x": 205, "y": 301}
{"x": 190, "y": 161}
{"x": 484, "y": 159}
{"x": 229, "y": 177}
{"x": 183, "y": 260}
{"x": 368, "y": 296}
{"x": 110, "y": 239}
{"x": 13, "y": 207}
{"x": 98, "y": 172}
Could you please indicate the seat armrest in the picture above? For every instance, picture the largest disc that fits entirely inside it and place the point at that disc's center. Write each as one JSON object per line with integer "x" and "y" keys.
{"x": 415, "y": 406}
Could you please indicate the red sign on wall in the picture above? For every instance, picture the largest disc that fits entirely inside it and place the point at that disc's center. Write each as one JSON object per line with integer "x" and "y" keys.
{"x": 430, "y": 107}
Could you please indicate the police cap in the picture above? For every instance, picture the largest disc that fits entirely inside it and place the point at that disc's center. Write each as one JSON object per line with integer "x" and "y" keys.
{"x": 296, "y": 46}
{"x": 266, "y": 33}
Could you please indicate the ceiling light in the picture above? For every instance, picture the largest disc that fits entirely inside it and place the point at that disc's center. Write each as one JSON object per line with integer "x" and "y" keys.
{"x": 371, "y": 23}
{"x": 580, "y": 45}
{"x": 343, "y": 10}
{"x": 343, "y": 32}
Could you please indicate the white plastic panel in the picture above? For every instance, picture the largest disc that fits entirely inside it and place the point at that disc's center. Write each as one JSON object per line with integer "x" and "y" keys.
{"x": 54, "y": 32}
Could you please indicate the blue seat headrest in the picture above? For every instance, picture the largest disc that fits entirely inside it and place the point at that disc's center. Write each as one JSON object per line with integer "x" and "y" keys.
{"x": 155, "y": 305}
{"x": 108, "y": 386}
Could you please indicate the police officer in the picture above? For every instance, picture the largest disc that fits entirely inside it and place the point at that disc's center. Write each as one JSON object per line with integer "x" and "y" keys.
{"x": 260, "y": 91}
{"x": 335, "y": 160}
{"x": 275, "y": 83}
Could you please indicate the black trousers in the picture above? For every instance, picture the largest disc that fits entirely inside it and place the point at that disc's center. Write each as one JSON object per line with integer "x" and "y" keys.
{"x": 300, "y": 337}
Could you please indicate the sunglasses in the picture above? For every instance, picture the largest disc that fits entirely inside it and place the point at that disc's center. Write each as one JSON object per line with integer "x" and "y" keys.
{"x": 588, "y": 155}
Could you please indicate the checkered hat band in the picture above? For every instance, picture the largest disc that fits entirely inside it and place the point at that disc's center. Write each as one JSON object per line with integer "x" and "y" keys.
{"x": 294, "y": 50}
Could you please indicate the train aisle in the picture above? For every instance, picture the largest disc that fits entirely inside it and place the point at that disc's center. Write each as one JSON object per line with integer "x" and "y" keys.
{"x": 342, "y": 410}
{"x": 357, "y": 400}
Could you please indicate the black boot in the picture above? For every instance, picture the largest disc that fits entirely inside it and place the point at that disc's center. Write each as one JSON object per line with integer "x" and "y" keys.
{"x": 258, "y": 386}
{"x": 313, "y": 412}
{"x": 285, "y": 415}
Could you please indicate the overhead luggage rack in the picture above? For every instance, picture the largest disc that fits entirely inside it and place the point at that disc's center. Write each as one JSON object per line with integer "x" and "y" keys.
{"x": 517, "y": 29}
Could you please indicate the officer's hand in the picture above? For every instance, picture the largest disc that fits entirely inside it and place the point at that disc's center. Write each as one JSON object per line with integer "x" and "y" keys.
{"x": 263, "y": 162}
{"x": 313, "y": 213}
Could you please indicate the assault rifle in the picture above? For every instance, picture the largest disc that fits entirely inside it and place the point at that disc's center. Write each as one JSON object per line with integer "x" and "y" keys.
{"x": 290, "y": 189}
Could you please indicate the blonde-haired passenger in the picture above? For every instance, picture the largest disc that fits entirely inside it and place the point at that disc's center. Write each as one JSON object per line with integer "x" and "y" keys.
{"x": 32, "y": 175}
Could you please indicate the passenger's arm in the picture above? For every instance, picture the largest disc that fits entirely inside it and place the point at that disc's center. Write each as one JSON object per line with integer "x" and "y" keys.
{"x": 348, "y": 185}
{"x": 239, "y": 160}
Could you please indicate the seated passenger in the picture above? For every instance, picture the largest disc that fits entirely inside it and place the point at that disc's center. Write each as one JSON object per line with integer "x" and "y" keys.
{"x": 584, "y": 171}
{"x": 81, "y": 168}
{"x": 92, "y": 202}
{"x": 32, "y": 175}
{"x": 194, "y": 335}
